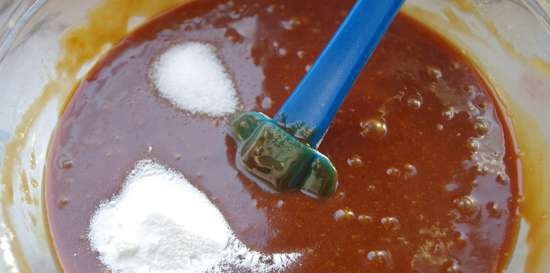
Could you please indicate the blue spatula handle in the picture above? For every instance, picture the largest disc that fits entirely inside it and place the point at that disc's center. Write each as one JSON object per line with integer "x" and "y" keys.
{"x": 318, "y": 97}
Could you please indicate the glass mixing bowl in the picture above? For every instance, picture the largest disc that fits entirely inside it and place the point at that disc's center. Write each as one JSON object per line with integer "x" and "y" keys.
{"x": 508, "y": 40}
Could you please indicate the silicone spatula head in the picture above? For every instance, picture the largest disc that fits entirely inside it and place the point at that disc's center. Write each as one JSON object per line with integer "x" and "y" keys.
{"x": 271, "y": 155}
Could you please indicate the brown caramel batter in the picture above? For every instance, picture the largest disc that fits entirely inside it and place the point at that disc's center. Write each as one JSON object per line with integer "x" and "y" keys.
{"x": 428, "y": 176}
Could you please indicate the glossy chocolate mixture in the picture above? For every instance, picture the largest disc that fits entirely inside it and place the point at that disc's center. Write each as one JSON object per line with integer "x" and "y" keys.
{"x": 427, "y": 170}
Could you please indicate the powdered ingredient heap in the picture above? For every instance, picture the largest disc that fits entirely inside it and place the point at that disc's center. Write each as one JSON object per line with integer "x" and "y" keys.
{"x": 194, "y": 79}
{"x": 160, "y": 223}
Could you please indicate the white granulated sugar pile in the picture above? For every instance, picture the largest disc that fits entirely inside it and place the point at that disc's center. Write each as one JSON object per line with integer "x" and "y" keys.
{"x": 160, "y": 223}
{"x": 193, "y": 77}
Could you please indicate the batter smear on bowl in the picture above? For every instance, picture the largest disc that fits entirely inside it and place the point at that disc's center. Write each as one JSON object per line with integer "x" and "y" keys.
{"x": 427, "y": 171}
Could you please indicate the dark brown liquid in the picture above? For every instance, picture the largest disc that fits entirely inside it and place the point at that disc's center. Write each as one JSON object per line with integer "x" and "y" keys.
{"x": 404, "y": 199}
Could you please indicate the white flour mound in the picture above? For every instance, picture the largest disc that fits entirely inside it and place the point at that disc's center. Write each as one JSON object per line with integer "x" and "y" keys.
{"x": 193, "y": 78}
{"x": 160, "y": 223}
